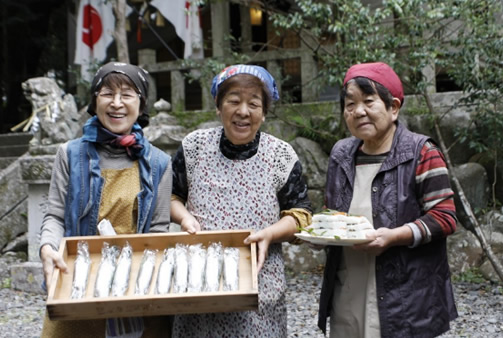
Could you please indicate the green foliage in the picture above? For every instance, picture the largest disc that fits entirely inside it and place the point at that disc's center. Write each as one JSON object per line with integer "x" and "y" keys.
{"x": 318, "y": 122}
{"x": 417, "y": 109}
{"x": 462, "y": 38}
{"x": 191, "y": 120}
{"x": 206, "y": 70}
{"x": 471, "y": 275}
{"x": 6, "y": 283}
{"x": 409, "y": 35}
{"x": 350, "y": 27}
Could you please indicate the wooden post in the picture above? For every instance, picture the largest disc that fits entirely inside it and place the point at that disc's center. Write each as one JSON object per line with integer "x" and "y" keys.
{"x": 308, "y": 72}
{"x": 220, "y": 27}
{"x": 120, "y": 35}
{"x": 148, "y": 57}
{"x": 208, "y": 102}
{"x": 246, "y": 32}
{"x": 177, "y": 91}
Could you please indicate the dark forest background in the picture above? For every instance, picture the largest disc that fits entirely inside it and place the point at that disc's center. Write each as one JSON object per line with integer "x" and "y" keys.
{"x": 33, "y": 42}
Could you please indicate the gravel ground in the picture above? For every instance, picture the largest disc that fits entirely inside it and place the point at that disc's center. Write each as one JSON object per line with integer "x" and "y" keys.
{"x": 480, "y": 307}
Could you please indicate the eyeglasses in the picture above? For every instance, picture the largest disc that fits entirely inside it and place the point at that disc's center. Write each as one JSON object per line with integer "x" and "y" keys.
{"x": 127, "y": 96}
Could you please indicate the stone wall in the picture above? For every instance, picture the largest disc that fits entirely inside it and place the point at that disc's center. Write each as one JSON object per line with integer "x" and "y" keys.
{"x": 13, "y": 204}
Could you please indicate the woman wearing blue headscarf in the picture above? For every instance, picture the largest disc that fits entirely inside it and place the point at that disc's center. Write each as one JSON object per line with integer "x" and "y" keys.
{"x": 237, "y": 177}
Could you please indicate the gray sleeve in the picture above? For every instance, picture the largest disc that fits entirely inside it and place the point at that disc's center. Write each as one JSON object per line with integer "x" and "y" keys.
{"x": 161, "y": 218}
{"x": 53, "y": 225}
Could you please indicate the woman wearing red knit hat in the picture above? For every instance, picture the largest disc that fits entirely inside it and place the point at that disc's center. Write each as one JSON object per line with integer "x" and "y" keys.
{"x": 398, "y": 284}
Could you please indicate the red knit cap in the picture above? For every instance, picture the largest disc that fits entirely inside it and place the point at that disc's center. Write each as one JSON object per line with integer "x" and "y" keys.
{"x": 380, "y": 73}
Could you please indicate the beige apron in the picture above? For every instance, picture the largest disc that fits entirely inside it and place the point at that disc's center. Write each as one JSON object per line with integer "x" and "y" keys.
{"x": 354, "y": 309}
{"x": 120, "y": 190}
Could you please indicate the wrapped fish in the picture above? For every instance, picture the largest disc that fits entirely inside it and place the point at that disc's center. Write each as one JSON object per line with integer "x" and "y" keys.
{"x": 146, "y": 272}
{"x": 340, "y": 233}
{"x": 106, "y": 270}
{"x": 197, "y": 262}
{"x": 213, "y": 269}
{"x": 120, "y": 282}
{"x": 105, "y": 228}
{"x": 82, "y": 267}
{"x": 231, "y": 269}
{"x": 331, "y": 225}
{"x": 181, "y": 268}
{"x": 324, "y": 217}
{"x": 165, "y": 273}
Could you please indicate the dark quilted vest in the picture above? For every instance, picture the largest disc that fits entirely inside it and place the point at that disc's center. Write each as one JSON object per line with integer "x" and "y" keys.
{"x": 414, "y": 291}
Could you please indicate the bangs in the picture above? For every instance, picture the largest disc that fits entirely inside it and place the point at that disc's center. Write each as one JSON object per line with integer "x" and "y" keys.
{"x": 117, "y": 81}
{"x": 244, "y": 81}
{"x": 368, "y": 87}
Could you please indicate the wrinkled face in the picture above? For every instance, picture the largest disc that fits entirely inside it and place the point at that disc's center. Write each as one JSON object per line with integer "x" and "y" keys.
{"x": 118, "y": 109}
{"x": 242, "y": 114}
{"x": 367, "y": 117}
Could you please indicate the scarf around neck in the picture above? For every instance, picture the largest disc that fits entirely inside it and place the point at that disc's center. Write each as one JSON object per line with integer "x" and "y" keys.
{"x": 133, "y": 143}
{"x": 239, "y": 152}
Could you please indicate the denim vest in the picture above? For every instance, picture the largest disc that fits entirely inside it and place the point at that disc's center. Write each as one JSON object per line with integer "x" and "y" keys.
{"x": 414, "y": 291}
{"x": 86, "y": 184}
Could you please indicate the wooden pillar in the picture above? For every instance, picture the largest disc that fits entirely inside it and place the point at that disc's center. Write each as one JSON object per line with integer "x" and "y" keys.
{"x": 148, "y": 57}
{"x": 308, "y": 69}
{"x": 308, "y": 72}
{"x": 177, "y": 91}
{"x": 246, "y": 31}
{"x": 208, "y": 102}
{"x": 220, "y": 26}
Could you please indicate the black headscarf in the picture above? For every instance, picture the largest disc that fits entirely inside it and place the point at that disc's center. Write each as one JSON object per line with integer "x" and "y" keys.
{"x": 139, "y": 77}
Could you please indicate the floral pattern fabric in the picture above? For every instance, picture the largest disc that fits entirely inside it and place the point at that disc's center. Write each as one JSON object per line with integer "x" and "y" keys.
{"x": 239, "y": 194}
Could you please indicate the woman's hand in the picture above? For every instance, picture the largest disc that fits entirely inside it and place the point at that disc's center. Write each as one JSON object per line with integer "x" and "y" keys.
{"x": 180, "y": 215}
{"x": 50, "y": 259}
{"x": 263, "y": 239}
{"x": 190, "y": 224}
{"x": 281, "y": 231}
{"x": 384, "y": 238}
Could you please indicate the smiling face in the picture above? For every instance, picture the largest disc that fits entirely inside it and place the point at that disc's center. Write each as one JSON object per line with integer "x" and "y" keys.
{"x": 242, "y": 102}
{"x": 368, "y": 118}
{"x": 118, "y": 106}
{"x": 242, "y": 113}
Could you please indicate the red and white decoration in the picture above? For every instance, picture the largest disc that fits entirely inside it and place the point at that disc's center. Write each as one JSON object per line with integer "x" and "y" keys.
{"x": 95, "y": 26}
{"x": 184, "y": 15}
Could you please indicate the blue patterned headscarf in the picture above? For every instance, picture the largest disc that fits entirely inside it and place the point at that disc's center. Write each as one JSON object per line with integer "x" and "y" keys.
{"x": 256, "y": 71}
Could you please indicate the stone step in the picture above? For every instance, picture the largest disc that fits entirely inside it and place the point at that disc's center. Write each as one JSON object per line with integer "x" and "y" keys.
{"x": 6, "y": 161}
{"x": 14, "y": 144}
{"x": 14, "y": 224}
{"x": 13, "y": 150}
{"x": 15, "y": 139}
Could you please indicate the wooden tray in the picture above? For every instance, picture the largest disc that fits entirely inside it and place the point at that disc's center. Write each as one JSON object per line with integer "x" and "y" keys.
{"x": 61, "y": 307}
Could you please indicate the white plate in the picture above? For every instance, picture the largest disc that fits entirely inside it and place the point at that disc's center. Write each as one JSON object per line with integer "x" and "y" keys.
{"x": 320, "y": 240}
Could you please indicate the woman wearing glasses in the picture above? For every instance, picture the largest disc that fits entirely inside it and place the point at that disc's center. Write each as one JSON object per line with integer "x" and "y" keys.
{"x": 111, "y": 172}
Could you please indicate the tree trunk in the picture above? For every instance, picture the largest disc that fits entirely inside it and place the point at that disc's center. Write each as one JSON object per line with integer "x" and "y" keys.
{"x": 486, "y": 247}
{"x": 120, "y": 35}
